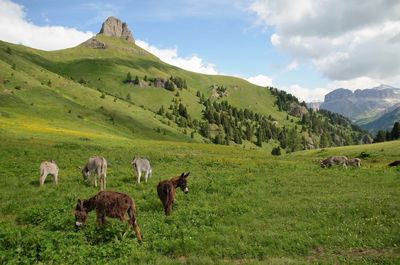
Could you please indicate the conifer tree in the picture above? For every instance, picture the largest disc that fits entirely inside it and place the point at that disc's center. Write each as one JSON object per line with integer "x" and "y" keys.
{"x": 395, "y": 134}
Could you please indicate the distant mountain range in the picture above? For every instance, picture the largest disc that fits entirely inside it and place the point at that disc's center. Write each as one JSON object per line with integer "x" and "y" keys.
{"x": 372, "y": 109}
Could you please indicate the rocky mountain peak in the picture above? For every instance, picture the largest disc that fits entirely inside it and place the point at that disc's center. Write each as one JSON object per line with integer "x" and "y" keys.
{"x": 113, "y": 27}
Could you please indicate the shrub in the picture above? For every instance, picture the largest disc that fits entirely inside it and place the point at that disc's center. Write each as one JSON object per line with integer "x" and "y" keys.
{"x": 276, "y": 151}
{"x": 364, "y": 155}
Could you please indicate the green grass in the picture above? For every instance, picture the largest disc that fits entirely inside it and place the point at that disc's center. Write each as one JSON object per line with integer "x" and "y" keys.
{"x": 243, "y": 206}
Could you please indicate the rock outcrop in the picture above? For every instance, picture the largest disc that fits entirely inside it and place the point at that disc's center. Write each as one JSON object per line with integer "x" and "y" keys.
{"x": 95, "y": 44}
{"x": 297, "y": 110}
{"x": 113, "y": 27}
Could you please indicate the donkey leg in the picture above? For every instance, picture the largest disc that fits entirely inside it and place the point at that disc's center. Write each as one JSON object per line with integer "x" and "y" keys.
{"x": 132, "y": 222}
{"x": 100, "y": 217}
{"x": 104, "y": 180}
{"x": 42, "y": 179}
{"x": 55, "y": 179}
{"x": 135, "y": 227}
{"x": 95, "y": 180}
{"x": 138, "y": 176}
{"x": 146, "y": 176}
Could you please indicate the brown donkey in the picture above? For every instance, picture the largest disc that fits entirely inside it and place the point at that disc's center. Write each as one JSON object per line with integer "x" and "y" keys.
{"x": 166, "y": 190}
{"x": 108, "y": 203}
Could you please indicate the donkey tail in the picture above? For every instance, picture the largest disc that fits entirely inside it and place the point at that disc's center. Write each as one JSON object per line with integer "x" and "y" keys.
{"x": 133, "y": 222}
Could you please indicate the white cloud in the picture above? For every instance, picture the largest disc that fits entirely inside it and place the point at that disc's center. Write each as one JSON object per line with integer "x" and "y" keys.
{"x": 260, "y": 80}
{"x": 170, "y": 55}
{"x": 292, "y": 66}
{"x": 356, "y": 83}
{"x": 346, "y": 40}
{"x": 306, "y": 94}
{"x": 15, "y": 28}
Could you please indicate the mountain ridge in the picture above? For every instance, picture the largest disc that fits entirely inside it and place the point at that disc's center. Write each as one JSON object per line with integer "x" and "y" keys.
{"x": 364, "y": 106}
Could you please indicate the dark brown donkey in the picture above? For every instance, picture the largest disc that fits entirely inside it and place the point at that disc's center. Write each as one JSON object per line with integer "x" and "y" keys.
{"x": 166, "y": 190}
{"x": 394, "y": 163}
{"x": 108, "y": 203}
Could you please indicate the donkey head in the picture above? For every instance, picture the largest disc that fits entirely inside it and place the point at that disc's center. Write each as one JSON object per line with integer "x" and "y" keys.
{"x": 182, "y": 182}
{"x": 85, "y": 173}
{"x": 80, "y": 214}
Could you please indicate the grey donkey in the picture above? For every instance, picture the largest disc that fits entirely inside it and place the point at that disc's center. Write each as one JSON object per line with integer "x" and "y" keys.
{"x": 141, "y": 164}
{"x": 48, "y": 168}
{"x": 98, "y": 166}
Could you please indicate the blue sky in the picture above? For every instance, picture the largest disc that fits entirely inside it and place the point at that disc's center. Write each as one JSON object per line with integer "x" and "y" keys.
{"x": 305, "y": 47}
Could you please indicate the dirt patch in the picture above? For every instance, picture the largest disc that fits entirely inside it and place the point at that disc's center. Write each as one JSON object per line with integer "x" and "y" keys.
{"x": 182, "y": 259}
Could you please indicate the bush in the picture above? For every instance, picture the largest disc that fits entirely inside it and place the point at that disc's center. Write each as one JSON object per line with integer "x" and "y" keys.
{"x": 276, "y": 151}
{"x": 364, "y": 155}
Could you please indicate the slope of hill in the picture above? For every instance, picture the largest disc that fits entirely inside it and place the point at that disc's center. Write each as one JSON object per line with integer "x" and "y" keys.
{"x": 384, "y": 122}
{"x": 85, "y": 91}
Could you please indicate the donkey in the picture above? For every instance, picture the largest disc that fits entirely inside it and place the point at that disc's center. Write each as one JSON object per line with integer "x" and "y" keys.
{"x": 353, "y": 162}
{"x": 166, "y": 190}
{"x": 111, "y": 204}
{"x": 394, "y": 163}
{"x": 334, "y": 160}
{"x": 141, "y": 164}
{"x": 46, "y": 168}
{"x": 97, "y": 165}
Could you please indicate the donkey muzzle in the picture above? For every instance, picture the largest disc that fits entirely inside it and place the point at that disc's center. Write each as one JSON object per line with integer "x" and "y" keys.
{"x": 186, "y": 190}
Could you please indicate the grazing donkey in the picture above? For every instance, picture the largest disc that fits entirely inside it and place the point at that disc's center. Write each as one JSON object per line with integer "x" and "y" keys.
{"x": 334, "y": 160}
{"x": 46, "y": 168}
{"x": 111, "y": 204}
{"x": 166, "y": 190}
{"x": 394, "y": 163}
{"x": 141, "y": 164}
{"x": 353, "y": 162}
{"x": 97, "y": 165}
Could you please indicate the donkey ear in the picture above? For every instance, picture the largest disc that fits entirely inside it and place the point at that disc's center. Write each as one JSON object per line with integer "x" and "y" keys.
{"x": 79, "y": 205}
{"x": 187, "y": 174}
{"x": 182, "y": 175}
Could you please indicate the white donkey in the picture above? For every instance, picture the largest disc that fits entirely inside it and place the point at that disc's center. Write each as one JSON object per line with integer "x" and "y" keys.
{"x": 98, "y": 166}
{"x": 46, "y": 168}
{"x": 141, "y": 164}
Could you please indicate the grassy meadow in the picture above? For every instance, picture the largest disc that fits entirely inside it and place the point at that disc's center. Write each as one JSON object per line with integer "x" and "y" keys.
{"x": 243, "y": 206}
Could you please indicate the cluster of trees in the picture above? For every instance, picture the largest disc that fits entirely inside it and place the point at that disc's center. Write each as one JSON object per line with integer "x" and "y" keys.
{"x": 284, "y": 99}
{"x": 390, "y": 135}
{"x": 171, "y": 84}
{"x": 236, "y": 125}
{"x": 332, "y": 128}
{"x": 178, "y": 113}
{"x": 130, "y": 79}
{"x": 223, "y": 123}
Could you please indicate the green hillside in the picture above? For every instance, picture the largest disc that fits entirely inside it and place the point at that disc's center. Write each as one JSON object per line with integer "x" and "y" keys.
{"x": 83, "y": 91}
{"x": 384, "y": 122}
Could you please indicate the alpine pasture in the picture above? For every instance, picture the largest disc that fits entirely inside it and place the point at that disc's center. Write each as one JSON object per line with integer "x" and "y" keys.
{"x": 243, "y": 206}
